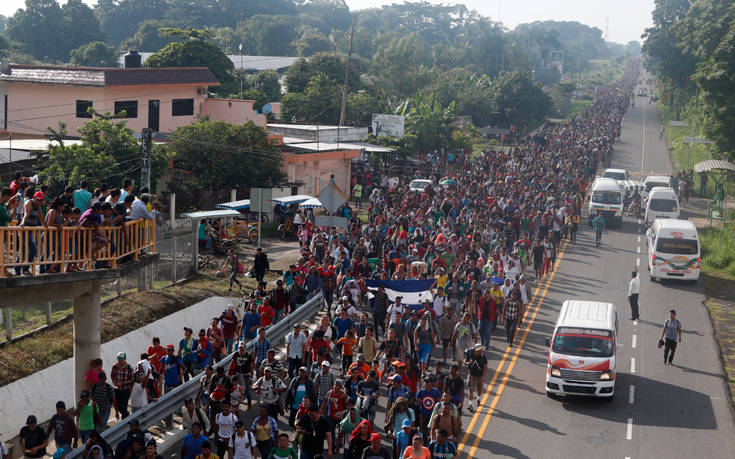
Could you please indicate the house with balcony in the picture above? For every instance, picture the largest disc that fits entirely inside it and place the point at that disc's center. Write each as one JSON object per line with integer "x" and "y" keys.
{"x": 33, "y": 98}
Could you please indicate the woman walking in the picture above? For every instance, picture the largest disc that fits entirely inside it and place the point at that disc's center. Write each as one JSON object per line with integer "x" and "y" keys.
{"x": 233, "y": 261}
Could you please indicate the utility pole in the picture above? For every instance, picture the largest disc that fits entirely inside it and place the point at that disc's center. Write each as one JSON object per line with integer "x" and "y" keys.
{"x": 146, "y": 137}
{"x": 347, "y": 76}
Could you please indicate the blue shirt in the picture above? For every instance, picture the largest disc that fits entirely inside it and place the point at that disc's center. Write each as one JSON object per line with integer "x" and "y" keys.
{"x": 427, "y": 399}
{"x": 262, "y": 350}
{"x": 403, "y": 440}
{"x": 82, "y": 199}
{"x": 447, "y": 450}
{"x": 193, "y": 446}
{"x": 250, "y": 320}
{"x": 171, "y": 370}
{"x": 342, "y": 325}
{"x": 298, "y": 396}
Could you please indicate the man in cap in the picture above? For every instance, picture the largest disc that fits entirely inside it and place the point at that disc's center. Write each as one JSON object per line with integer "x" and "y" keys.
{"x": 32, "y": 439}
{"x": 477, "y": 364}
{"x": 324, "y": 382}
{"x": 376, "y": 450}
{"x": 361, "y": 366}
{"x": 173, "y": 370}
{"x": 396, "y": 390}
{"x": 243, "y": 365}
{"x": 122, "y": 380}
{"x": 301, "y": 387}
{"x": 270, "y": 387}
{"x": 242, "y": 443}
{"x": 334, "y": 405}
{"x": 228, "y": 319}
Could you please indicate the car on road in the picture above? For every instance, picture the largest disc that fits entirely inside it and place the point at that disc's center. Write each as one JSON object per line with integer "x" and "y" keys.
{"x": 617, "y": 174}
{"x": 662, "y": 202}
{"x": 607, "y": 199}
{"x": 420, "y": 184}
{"x": 673, "y": 250}
{"x": 583, "y": 350}
{"x": 643, "y": 92}
{"x": 652, "y": 181}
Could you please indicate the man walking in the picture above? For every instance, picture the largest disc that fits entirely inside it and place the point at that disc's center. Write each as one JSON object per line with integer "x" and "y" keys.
{"x": 633, "y": 289}
{"x": 598, "y": 223}
{"x": 260, "y": 264}
{"x": 512, "y": 314}
{"x": 672, "y": 329}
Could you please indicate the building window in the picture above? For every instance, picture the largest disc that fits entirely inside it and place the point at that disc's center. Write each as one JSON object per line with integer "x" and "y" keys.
{"x": 129, "y": 106}
{"x": 82, "y": 107}
{"x": 182, "y": 107}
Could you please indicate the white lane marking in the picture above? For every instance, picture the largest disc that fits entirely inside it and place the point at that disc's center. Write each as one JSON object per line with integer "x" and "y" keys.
{"x": 631, "y": 394}
{"x": 639, "y": 238}
{"x": 638, "y": 261}
{"x": 635, "y": 322}
{"x": 629, "y": 433}
{"x": 639, "y": 249}
{"x": 632, "y": 364}
{"x": 635, "y": 341}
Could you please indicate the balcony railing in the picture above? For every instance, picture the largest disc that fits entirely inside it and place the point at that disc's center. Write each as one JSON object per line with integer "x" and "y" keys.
{"x": 38, "y": 249}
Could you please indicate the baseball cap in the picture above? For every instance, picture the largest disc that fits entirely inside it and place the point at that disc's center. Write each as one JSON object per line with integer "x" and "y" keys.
{"x": 406, "y": 423}
{"x": 304, "y": 369}
{"x": 257, "y": 293}
{"x": 31, "y": 420}
{"x": 121, "y": 356}
{"x": 374, "y": 436}
{"x": 188, "y": 329}
{"x": 395, "y": 378}
{"x": 230, "y": 307}
{"x": 267, "y": 368}
{"x": 326, "y": 364}
{"x": 39, "y": 195}
{"x": 339, "y": 382}
{"x": 170, "y": 346}
{"x": 478, "y": 346}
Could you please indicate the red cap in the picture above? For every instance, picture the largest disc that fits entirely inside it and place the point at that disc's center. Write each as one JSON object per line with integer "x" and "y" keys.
{"x": 39, "y": 195}
{"x": 170, "y": 346}
{"x": 374, "y": 436}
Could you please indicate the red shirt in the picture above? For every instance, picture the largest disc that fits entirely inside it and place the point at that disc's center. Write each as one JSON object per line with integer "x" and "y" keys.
{"x": 155, "y": 354}
{"x": 229, "y": 324}
{"x": 266, "y": 314}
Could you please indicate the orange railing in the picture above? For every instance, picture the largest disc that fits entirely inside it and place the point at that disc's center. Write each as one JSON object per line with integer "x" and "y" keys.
{"x": 73, "y": 248}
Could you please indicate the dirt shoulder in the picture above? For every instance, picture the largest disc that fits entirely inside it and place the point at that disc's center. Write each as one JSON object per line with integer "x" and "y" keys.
{"x": 720, "y": 293}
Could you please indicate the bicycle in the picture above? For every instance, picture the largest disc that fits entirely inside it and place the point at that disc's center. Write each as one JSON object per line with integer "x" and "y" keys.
{"x": 241, "y": 230}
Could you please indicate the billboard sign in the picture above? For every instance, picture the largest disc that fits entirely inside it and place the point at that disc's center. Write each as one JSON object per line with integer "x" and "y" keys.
{"x": 388, "y": 125}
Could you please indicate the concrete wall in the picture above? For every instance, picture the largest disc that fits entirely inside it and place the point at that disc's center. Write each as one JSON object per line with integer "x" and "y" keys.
{"x": 234, "y": 111}
{"x": 38, "y": 393}
{"x": 315, "y": 170}
{"x": 320, "y": 133}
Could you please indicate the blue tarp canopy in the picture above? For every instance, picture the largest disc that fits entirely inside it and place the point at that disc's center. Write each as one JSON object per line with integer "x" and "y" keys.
{"x": 244, "y": 204}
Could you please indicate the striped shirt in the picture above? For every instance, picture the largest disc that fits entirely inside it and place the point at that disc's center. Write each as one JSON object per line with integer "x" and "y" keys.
{"x": 446, "y": 450}
{"x": 324, "y": 383}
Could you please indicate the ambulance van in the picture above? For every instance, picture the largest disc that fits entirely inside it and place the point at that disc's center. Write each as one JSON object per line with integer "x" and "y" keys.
{"x": 673, "y": 250}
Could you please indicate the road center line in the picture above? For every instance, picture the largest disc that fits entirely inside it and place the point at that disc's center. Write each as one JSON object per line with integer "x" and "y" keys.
{"x": 632, "y": 364}
{"x": 635, "y": 323}
{"x": 639, "y": 222}
{"x": 638, "y": 261}
{"x": 635, "y": 338}
{"x": 512, "y": 363}
{"x": 631, "y": 394}
{"x": 638, "y": 249}
{"x": 639, "y": 238}
{"x": 629, "y": 433}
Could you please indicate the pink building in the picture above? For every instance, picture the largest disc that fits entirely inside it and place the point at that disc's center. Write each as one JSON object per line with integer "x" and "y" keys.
{"x": 162, "y": 99}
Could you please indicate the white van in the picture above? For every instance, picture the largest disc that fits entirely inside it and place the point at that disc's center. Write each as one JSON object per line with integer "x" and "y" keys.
{"x": 653, "y": 181}
{"x": 607, "y": 198}
{"x": 617, "y": 174}
{"x": 583, "y": 350}
{"x": 673, "y": 250}
{"x": 661, "y": 203}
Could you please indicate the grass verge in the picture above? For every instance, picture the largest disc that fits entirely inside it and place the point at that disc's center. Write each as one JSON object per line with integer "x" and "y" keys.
{"x": 720, "y": 291}
{"x": 118, "y": 317}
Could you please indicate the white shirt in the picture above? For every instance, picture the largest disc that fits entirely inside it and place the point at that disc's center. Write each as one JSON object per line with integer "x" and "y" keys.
{"x": 243, "y": 445}
{"x": 226, "y": 425}
{"x": 296, "y": 349}
{"x": 438, "y": 305}
{"x": 395, "y": 312}
{"x": 138, "y": 396}
{"x": 139, "y": 210}
{"x": 351, "y": 311}
{"x": 267, "y": 388}
{"x": 635, "y": 286}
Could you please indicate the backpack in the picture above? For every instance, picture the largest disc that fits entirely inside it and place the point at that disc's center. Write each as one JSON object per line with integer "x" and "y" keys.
{"x": 250, "y": 440}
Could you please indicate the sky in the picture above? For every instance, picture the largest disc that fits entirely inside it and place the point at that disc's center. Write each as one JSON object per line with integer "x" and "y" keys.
{"x": 627, "y": 18}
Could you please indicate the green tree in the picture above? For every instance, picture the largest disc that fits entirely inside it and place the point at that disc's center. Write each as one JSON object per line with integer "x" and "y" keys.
{"x": 470, "y": 92}
{"x": 266, "y": 82}
{"x": 268, "y": 35}
{"x": 518, "y": 100}
{"x": 94, "y": 54}
{"x": 360, "y": 108}
{"x": 195, "y": 51}
{"x": 120, "y": 19}
{"x": 320, "y": 102}
{"x": 400, "y": 68}
{"x": 219, "y": 155}
{"x": 302, "y": 71}
{"x": 148, "y": 36}
{"x": 311, "y": 42}
{"x": 427, "y": 122}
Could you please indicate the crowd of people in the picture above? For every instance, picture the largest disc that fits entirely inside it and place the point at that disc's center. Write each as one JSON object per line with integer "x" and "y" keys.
{"x": 480, "y": 241}
{"x": 26, "y": 204}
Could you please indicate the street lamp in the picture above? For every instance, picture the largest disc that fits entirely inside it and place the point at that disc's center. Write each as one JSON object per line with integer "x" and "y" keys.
{"x": 240, "y": 48}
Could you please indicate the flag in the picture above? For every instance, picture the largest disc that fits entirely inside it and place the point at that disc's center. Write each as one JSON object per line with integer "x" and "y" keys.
{"x": 414, "y": 292}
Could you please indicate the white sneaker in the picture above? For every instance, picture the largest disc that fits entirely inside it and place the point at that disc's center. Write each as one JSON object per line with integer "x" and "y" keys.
{"x": 470, "y": 407}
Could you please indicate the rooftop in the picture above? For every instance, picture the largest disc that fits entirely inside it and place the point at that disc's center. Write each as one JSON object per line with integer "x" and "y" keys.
{"x": 103, "y": 77}
{"x": 242, "y": 61}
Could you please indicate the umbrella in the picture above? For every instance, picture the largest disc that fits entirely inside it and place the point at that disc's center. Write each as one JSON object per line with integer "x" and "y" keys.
{"x": 448, "y": 182}
{"x": 311, "y": 203}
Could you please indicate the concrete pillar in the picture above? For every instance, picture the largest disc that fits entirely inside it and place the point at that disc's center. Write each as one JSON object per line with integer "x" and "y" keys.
{"x": 141, "y": 280}
{"x": 173, "y": 258}
{"x": 8, "y": 323}
{"x": 118, "y": 286}
{"x": 195, "y": 245}
{"x": 87, "y": 333}
{"x": 48, "y": 313}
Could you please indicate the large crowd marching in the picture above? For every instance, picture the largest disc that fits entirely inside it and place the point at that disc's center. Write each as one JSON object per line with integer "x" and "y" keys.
{"x": 493, "y": 228}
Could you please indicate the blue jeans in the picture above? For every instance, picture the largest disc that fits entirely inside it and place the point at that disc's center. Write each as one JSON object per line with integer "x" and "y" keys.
{"x": 486, "y": 331}
{"x": 277, "y": 315}
{"x": 104, "y": 417}
{"x": 29, "y": 246}
{"x": 84, "y": 435}
{"x": 228, "y": 344}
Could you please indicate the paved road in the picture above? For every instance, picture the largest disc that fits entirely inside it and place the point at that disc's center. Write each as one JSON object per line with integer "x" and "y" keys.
{"x": 680, "y": 411}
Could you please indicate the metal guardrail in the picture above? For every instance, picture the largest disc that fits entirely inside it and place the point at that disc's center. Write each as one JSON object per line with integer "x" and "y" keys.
{"x": 174, "y": 400}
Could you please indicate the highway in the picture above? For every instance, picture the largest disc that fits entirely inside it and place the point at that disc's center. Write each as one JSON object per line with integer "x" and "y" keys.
{"x": 679, "y": 411}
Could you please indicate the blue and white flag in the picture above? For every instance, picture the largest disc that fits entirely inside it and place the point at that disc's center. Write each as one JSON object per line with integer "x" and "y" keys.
{"x": 414, "y": 292}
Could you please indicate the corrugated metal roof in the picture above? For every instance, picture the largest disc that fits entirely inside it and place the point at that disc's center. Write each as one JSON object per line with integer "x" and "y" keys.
{"x": 100, "y": 77}
{"x": 714, "y": 164}
{"x": 58, "y": 75}
{"x": 241, "y": 62}
{"x": 328, "y": 146}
